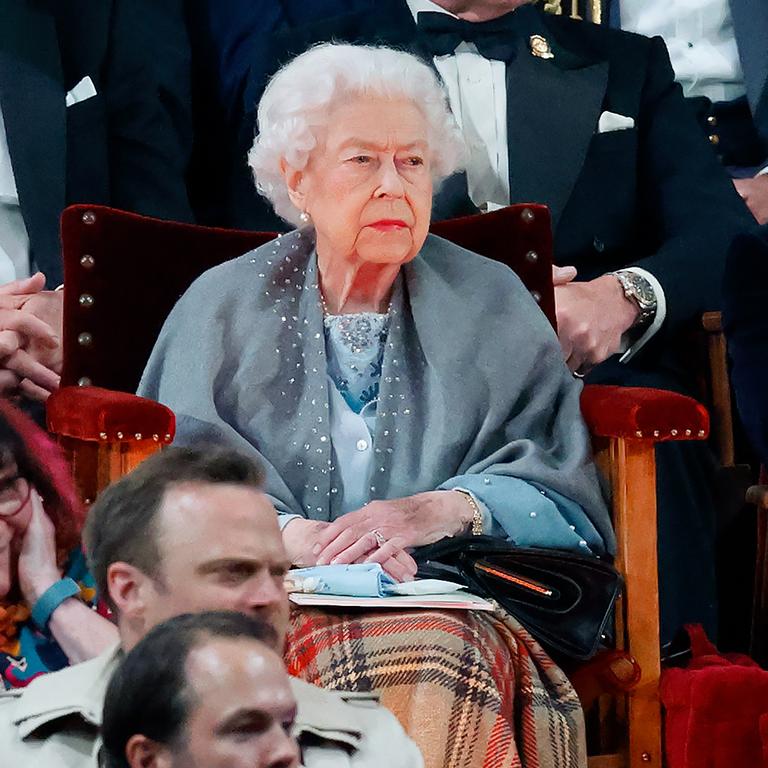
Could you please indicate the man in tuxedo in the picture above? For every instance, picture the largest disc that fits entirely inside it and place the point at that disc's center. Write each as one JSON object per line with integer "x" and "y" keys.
{"x": 719, "y": 51}
{"x": 94, "y": 107}
{"x": 589, "y": 121}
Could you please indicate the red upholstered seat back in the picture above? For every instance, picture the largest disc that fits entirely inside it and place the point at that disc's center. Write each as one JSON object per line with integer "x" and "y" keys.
{"x": 123, "y": 273}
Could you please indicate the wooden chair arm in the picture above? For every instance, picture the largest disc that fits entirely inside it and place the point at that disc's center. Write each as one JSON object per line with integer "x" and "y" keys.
{"x": 105, "y": 434}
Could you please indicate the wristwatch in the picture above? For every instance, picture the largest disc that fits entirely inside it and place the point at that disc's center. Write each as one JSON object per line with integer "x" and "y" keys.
{"x": 638, "y": 289}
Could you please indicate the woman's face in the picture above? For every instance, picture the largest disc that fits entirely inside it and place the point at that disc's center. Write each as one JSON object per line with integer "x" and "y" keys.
{"x": 368, "y": 184}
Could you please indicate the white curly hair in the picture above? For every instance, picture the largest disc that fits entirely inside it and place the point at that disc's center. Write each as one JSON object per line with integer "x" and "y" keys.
{"x": 300, "y": 95}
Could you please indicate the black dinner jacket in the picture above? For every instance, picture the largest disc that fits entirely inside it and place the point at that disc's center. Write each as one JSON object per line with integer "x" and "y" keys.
{"x": 127, "y": 146}
{"x": 653, "y": 196}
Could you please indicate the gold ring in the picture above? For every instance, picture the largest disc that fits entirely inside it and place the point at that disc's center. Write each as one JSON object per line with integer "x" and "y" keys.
{"x": 380, "y": 540}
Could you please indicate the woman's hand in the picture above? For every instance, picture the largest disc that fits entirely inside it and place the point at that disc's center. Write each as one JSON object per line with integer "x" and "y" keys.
{"x": 300, "y": 538}
{"x": 38, "y": 569}
{"x": 401, "y": 523}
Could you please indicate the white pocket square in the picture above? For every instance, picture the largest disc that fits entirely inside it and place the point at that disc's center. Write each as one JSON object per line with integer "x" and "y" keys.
{"x": 611, "y": 121}
{"x": 85, "y": 89}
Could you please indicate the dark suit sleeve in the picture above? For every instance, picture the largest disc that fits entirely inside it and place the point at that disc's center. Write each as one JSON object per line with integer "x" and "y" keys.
{"x": 745, "y": 320}
{"x": 147, "y": 91}
{"x": 685, "y": 198}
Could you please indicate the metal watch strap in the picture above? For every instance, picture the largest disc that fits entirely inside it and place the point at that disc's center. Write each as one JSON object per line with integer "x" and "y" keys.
{"x": 637, "y": 289}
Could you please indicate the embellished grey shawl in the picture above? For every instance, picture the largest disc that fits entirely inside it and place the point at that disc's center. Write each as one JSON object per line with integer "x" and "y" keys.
{"x": 473, "y": 379}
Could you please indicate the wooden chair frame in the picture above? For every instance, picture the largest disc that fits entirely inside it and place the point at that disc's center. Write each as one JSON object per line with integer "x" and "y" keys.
{"x": 625, "y": 424}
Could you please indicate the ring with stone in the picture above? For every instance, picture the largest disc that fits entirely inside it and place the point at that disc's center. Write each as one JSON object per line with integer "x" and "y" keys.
{"x": 380, "y": 539}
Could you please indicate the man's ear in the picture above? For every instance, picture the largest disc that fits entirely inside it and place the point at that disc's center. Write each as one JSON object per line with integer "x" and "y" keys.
{"x": 141, "y": 752}
{"x": 128, "y": 588}
{"x": 294, "y": 182}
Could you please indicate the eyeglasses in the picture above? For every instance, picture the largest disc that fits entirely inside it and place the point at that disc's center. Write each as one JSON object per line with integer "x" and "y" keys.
{"x": 14, "y": 494}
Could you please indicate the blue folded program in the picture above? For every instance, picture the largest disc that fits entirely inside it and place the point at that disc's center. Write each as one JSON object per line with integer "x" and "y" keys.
{"x": 355, "y": 580}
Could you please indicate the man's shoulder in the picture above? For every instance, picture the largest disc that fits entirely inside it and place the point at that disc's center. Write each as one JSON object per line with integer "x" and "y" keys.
{"x": 597, "y": 41}
{"x": 78, "y": 689}
{"x": 335, "y": 709}
{"x": 357, "y": 722}
{"x": 44, "y": 710}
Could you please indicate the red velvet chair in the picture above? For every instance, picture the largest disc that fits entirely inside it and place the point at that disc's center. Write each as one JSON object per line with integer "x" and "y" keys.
{"x": 124, "y": 272}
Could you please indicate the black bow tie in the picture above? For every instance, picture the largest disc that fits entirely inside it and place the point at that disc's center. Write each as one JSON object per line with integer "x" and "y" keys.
{"x": 439, "y": 34}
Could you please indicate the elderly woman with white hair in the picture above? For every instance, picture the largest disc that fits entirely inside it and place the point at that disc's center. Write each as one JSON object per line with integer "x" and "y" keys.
{"x": 398, "y": 390}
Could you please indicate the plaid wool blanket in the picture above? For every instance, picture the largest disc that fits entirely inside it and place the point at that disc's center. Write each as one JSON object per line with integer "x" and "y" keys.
{"x": 472, "y": 689}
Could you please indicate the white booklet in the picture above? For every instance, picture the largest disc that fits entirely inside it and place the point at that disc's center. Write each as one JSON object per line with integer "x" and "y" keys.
{"x": 455, "y": 601}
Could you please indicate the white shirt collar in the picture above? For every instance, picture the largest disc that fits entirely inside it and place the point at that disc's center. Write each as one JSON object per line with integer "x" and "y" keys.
{"x": 416, "y": 6}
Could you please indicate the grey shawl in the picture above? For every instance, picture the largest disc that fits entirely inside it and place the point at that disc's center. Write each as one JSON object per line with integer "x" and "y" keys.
{"x": 473, "y": 379}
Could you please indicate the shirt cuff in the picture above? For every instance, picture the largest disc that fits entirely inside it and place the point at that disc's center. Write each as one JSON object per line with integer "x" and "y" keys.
{"x": 283, "y": 520}
{"x": 630, "y": 350}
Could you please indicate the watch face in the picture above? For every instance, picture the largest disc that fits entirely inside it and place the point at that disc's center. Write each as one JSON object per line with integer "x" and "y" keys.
{"x": 641, "y": 289}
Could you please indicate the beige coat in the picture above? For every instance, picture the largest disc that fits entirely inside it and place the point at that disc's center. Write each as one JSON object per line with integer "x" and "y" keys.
{"x": 54, "y": 722}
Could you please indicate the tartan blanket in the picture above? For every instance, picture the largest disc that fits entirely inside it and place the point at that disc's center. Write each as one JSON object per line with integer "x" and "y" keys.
{"x": 472, "y": 689}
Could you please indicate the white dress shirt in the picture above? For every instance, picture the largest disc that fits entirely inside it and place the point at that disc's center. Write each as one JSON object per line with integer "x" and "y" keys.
{"x": 14, "y": 243}
{"x": 473, "y": 84}
{"x": 701, "y": 41}
{"x": 477, "y": 93}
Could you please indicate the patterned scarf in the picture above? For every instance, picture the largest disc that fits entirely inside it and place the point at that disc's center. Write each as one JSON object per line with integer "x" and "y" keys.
{"x": 11, "y": 615}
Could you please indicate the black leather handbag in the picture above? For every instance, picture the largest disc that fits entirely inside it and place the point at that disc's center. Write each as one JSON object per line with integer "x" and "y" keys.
{"x": 562, "y": 598}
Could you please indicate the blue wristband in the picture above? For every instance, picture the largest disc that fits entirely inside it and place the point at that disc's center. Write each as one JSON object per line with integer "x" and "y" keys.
{"x": 51, "y": 599}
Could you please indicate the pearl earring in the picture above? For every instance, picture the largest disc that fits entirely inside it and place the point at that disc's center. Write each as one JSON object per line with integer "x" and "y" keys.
{"x": 304, "y": 217}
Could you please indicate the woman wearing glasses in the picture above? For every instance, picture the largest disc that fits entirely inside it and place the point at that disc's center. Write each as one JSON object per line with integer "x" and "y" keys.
{"x": 46, "y": 617}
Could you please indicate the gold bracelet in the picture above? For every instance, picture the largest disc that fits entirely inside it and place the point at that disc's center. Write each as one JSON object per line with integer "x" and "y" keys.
{"x": 477, "y": 515}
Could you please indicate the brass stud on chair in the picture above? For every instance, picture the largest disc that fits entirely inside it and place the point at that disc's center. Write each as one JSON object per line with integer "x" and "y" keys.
{"x": 103, "y": 435}
{"x": 656, "y": 433}
{"x": 527, "y": 215}
{"x": 85, "y": 300}
{"x": 156, "y": 438}
{"x": 536, "y": 296}
{"x": 701, "y": 433}
{"x": 84, "y": 339}
{"x": 167, "y": 438}
{"x": 87, "y": 261}
{"x": 119, "y": 435}
{"x": 638, "y": 433}
{"x": 83, "y": 381}
{"x": 673, "y": 432}
{"x": 89, "y": 217}
{"x": 687, "y": 432}
{"x": 646, "y": 757}
{"x": 532, "y": 257}
{"x": 138, "y": 435}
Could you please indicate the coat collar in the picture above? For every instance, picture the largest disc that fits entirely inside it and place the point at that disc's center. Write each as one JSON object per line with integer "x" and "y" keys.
{"x": 80, "y": 690}
{"x": 328, "y": 715}
{"x": 76, "y": 690}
